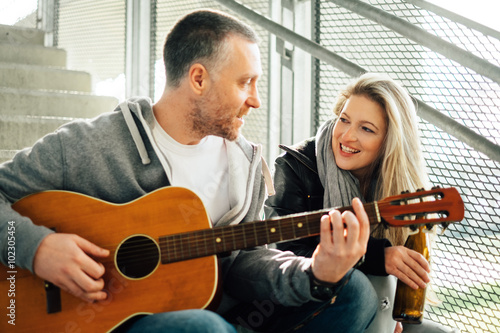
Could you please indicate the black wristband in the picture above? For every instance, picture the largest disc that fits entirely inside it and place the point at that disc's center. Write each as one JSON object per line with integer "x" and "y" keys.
{"x": 322, "y": 290}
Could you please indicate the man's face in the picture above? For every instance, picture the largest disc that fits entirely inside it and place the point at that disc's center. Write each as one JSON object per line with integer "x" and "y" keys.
{"x": 231, "y": 93}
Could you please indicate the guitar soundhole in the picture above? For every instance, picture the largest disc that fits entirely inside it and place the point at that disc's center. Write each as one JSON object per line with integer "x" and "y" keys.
{"x": 137, "y": 257}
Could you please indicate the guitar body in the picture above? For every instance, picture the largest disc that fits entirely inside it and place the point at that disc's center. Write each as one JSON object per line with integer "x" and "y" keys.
{"x": 162, "y": 287}
{"x": 163, "y": 252}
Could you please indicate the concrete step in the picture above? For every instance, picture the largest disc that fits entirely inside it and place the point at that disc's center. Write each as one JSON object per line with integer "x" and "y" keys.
{"x": 17, "y": 132}
{"x": 21, "y": 35}
{"x": 45, "y": 78}
{"x": 45, "y": 103}
{"x": 32, "y": 55}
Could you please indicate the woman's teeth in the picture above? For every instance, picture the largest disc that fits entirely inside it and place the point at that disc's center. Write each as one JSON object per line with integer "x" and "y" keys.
{"x": 348, "y": 150}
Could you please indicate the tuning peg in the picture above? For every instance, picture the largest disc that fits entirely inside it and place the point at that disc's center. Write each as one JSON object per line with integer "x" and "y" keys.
{"x": 384, "y": 224}
{"x": 429, "y": 226}
{"x": 436, "y": 187}
{"x": 413, "y": 227}
{"x": 404, "y": 192}
{"x": 420, "y": 189}
{"x": 444, "y": 226}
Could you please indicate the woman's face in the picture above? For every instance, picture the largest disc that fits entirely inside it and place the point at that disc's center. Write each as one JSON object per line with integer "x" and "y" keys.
{"x": 358, "y": 134}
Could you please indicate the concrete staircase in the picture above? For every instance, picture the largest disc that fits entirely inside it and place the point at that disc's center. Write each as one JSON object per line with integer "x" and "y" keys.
{"x": 37, "y": 93}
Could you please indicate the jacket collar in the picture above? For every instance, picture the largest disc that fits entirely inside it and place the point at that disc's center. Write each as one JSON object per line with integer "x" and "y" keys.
{"x": 304, "y": 152}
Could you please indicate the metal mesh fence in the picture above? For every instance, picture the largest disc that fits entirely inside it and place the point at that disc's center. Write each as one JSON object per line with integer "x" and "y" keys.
{"x": 93, "y": 35}
{"x": 167, "y": 13}
{"x": 466, "y": 267}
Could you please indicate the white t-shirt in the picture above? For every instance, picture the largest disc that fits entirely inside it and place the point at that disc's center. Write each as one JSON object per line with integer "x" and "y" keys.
{"x": 202, "y": 168}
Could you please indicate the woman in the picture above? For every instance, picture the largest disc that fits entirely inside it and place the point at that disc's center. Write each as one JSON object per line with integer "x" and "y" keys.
{"x": 370, "y": 150}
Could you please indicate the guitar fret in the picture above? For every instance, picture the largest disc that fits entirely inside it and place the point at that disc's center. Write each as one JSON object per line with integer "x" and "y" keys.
{"x": 227, "y": 239}
{"x": 202, "y": 243}
{"x": 214, "y": 241}
{"x": 180, "y": 254}
{"x": 205, "y": 241}
{"x": 267, "y": 233}
{"x": 307, "y": 225}
{"x": 219, "y": 240}
{"x": 287, "y": 230}
{"x": 244, "y": 236}
{"x": 168, "y": 248}
{"x": 234, "y": 238}
{"x": 249, "y": 235}
{"x": 174, "y": 252}
{"x": 275, "y": 231}
{"x": 195, "y": 244}
{"x": 255, "y": 234}
{"x": 181, "y": 248}
{"x": 164, "y": 250}
{"x": 223, "y": 231}
{"x": 280, "y": 230}
{"x": 293, "y": 228}
{"x": 186, "y": 241}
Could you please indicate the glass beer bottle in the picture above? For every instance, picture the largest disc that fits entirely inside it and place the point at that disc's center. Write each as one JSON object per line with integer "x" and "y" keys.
{"x": 409, "y": 303}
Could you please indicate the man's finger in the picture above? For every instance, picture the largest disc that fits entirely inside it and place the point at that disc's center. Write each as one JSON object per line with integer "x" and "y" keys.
{"x": 326, "y": 230}
{"x": 91, "y": 248}
{"x": 337, "y": 227}
{"x": 91, "y": 267}
{"x": 362, "y": 216}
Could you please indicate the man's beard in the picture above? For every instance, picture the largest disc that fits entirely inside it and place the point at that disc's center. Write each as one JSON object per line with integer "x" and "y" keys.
{"x": 218, "y": 122}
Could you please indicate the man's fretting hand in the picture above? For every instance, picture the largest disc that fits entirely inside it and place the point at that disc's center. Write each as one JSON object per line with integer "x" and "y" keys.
{"x": 340, "y": 249}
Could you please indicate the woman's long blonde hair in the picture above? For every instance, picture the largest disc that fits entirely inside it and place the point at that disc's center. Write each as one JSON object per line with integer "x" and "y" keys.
{"x": 400, "y": 165}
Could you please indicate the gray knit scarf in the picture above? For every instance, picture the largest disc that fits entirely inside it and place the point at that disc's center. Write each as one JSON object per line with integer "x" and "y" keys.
{"x": 340, "y": 185}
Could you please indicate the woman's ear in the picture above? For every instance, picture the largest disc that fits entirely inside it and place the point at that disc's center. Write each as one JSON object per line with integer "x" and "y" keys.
{"x": 198, "y": 78}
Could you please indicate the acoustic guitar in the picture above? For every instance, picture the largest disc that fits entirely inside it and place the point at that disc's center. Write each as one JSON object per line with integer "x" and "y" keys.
{"x": 164, "y": 252}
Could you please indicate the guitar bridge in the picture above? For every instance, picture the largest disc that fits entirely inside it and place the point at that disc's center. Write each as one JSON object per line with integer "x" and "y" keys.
{"x": 53, "y": 297}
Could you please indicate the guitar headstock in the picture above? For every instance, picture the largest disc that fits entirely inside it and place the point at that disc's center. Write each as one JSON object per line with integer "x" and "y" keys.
{"x": 424, "y": 207}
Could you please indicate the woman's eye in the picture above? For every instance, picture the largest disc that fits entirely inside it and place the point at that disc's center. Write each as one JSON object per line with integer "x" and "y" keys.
{"x": 343, "y": 120}
{"x": 366, "y": 129}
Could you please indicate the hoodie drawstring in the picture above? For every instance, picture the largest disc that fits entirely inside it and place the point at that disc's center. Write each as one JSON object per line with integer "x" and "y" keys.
{"x": 134, "y": 131}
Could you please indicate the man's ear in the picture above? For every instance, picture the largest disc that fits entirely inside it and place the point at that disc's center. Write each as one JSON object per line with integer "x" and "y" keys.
{"x": 198, "y": 78}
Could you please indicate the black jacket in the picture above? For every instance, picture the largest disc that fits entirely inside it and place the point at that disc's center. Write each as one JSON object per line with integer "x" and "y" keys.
{"x": 299, "y": 189}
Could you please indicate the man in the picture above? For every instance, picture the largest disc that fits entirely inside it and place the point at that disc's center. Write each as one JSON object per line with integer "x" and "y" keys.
{"x": 189, "y": 138}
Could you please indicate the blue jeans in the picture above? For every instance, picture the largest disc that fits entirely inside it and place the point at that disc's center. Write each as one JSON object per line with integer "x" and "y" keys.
{"x": 186, "y": 321}
{"x": 352, "y": 311}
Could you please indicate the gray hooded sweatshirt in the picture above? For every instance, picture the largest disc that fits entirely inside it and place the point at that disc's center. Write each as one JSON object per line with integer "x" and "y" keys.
{"x": 114, "y": 158}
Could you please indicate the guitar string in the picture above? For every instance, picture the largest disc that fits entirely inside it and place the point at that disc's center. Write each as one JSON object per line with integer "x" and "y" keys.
{"x": 184, "y": 248}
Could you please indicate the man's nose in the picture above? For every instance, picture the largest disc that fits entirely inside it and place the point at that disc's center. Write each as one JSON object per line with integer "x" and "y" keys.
{"x": 254, "y": 100}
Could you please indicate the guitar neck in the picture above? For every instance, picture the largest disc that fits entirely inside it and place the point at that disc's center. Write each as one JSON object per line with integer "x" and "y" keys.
{"x": 217, "y": 240}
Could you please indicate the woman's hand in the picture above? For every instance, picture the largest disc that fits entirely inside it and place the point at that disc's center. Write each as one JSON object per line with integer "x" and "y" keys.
{"x": 407, "y": 265}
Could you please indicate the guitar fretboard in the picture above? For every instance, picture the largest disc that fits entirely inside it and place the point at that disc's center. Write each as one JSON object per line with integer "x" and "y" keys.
{"x": 217, "y": 240}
